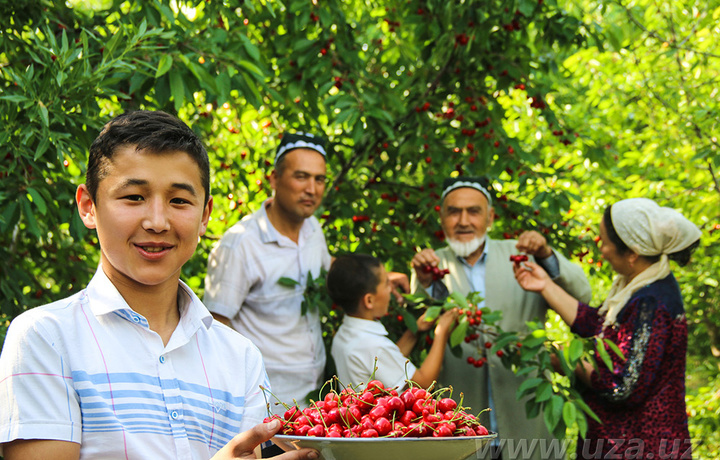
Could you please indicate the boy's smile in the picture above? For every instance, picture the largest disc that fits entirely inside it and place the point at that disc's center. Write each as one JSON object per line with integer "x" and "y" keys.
{"x": 149, "y": 213}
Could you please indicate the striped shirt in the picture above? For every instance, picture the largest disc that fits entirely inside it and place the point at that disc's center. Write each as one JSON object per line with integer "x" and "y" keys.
{"x": 88, "y": 369}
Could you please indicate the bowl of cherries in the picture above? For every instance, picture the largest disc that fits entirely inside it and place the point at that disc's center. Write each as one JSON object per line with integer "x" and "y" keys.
{"x": 374, "y": 422}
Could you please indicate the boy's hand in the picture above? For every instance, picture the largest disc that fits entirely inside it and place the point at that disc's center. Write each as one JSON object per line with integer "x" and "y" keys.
{"x": 400, "y": 284}
{"x": 445, "y": 322}
{"x": 423, "y": 324}
{"x": 243, "y": 445}
{"x": 426, "y": 257}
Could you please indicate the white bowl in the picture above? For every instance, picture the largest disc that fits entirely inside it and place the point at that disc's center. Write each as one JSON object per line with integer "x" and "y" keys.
{"x": 455, "y": 448}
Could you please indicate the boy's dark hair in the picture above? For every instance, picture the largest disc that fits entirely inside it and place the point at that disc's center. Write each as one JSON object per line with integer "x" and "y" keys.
{"x": 351, "y": 276}
{"x": 152, "y": 131}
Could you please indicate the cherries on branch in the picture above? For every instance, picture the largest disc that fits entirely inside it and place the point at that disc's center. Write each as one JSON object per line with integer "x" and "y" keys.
{"x": 437, "y": 272}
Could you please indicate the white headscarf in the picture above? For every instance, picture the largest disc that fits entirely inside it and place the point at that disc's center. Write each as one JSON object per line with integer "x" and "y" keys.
{"x": 648, "y": 230}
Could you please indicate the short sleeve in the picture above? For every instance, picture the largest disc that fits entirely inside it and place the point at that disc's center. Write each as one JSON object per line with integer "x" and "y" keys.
{"x": 393, "y": 367}
{"x": 256, "y": 398}
{"x": 227, "y": 283}
{"x": 36, "y": 386}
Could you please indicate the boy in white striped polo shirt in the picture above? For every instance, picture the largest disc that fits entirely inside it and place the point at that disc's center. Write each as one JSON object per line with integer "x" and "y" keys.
{"x": 133, "y": 366}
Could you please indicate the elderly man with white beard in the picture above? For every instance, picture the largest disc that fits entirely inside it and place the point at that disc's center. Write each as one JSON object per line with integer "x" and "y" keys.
{"x": 477, "y": 263}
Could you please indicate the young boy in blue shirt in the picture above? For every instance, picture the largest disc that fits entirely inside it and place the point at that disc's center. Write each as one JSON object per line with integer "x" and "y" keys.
{"x": 133, "y": 366}
{"x": 359, "y": 284}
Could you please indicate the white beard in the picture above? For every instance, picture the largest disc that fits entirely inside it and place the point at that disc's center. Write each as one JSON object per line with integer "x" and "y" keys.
{"x": 465, "y": 248}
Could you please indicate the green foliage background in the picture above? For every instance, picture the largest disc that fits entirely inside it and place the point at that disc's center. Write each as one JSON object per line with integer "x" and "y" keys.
{"x": 567, "y": 105}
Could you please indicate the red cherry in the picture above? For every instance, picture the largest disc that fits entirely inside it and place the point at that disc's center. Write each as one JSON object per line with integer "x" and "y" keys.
{"x": 446, "y": 404}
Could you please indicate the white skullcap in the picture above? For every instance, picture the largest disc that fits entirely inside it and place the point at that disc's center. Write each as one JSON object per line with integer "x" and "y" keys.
{"x": 651, "y": 230}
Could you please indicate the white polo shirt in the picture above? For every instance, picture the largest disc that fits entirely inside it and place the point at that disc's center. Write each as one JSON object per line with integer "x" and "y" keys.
{"x": 242, "y": 284}
{"x": 87, "y": 369}
{"x": 355, "y": 346}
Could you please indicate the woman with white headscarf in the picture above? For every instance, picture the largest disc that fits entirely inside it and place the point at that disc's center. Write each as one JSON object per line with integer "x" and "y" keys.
{"x": 641, "y": 401}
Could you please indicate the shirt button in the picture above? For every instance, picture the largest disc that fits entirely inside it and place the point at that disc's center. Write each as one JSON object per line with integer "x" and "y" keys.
{"x": 174, "y": 415}
{"x": 162, "y": 360}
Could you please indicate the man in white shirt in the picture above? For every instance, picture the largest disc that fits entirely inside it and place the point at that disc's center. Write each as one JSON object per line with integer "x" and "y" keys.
{"x": 281, "y": 239}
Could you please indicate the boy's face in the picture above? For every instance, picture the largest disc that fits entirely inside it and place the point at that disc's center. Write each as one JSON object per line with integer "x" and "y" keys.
{"x": 381, "y": 296}
{"x": 149, "y": 213}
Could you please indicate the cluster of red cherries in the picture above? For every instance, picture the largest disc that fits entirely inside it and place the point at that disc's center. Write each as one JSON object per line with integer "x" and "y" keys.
{"x": 518, "y": 258}
{"x": 377, "y": 412}
{"x": 437, "y": 272}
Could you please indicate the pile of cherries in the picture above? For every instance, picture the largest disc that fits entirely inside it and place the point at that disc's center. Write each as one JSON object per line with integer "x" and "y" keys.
{"x": 377, "y": 412}
{"x": 437, "y": 272}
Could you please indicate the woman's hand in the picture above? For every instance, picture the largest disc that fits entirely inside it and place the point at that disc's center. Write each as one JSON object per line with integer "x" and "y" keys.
{"x": 531, "y": 276}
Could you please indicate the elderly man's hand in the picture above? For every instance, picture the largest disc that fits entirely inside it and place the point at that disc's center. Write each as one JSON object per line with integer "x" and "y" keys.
{"x": 533, "y": 243}
{"x": 425, "y": 258}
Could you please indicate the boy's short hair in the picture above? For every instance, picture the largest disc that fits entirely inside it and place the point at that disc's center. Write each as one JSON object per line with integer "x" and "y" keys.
{"x": 351, "y": 276}
{"x": 152, "y": 131}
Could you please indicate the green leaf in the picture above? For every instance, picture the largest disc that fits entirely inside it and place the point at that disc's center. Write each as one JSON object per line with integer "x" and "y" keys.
{"x": 16, "y": 98}
{"x": 527, "y": 386}
{"x": 410, "y": 322}
{"x": 44, "y": 114}
{"x": 177, "y": 89}
{"x": 543, "y": 392}
{"x": 527, "y": 7}
{"x": 287, "y": 282}
{"x": 533, "y": 342}
{"x": 566, "y": 368}
{"x": 37, "y": 200}
{"x": 30, "y": 217}
{"x": 569, "y": 413}
{"x": 42, "y": 147}
{"x": 581, "y": 404}
{"x": 458, "y": 334}
{"x": 615, "y": 349}
{"x": 532, "y": 409}
{"x": 526, "y": 370}
{"x": 581, "y": 423}
{"x": 575, "y": 350}
{"x": 432, "y": 313}
{"x": 459, "y": 300}
{"x": 504, "y": 339}
{"x": 604, "y": 354}
{"x": 553, "y": 412}
{"x": 164, "y": 65}
{"x": 9, "y": 216}
{"x": 250, "y": 48}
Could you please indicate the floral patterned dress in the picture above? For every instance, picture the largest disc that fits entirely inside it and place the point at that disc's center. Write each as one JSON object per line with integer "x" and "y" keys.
{"x": 641, "y": 402}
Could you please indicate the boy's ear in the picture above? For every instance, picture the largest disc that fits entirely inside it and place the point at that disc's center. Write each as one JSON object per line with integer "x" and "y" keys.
{"x": 368, "y": 300}
{"x": 86, "y": 206}
{"x": 206, "y": 216}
